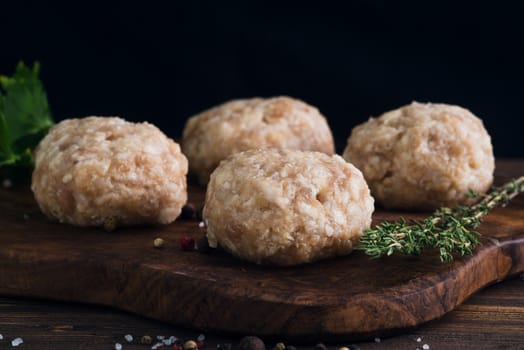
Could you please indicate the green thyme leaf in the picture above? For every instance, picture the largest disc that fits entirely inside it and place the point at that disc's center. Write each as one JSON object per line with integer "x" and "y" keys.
{"x": 450, "y": 230}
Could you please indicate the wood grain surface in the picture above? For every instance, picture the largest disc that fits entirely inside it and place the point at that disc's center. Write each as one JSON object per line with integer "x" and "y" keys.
{"x": 492, "y": 318}
{"x": 347, "y": 298}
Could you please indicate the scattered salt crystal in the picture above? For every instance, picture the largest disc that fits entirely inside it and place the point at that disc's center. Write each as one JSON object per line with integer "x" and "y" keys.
{"x": 377, "y": 340}
{"x": 419, "y": 339}
{"x": 118, "y": 346}
{"x": 160, "y": 337}
{"x": 167, "y": 341}
{"x": 201, "y": 224}
{"x": 425, "y": 347}
{"x": 128, "y": 338}
{"x": 173, "y": 339}
{"x": 1, "y": 337}
{"x": 157, "y": 345}
{"x": 201, "y": 338}
{"x": 16, "y": 341}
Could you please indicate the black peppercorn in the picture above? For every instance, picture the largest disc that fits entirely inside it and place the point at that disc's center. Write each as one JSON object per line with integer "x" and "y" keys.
{"x": 146, "y": 339}
{"x": 203, "y": 245}
{"x": 250, "y": 343}
{"x": 320, "y": 346}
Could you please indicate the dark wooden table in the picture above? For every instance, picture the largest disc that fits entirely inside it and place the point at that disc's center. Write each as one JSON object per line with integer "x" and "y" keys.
{"x": 492, "y": 318}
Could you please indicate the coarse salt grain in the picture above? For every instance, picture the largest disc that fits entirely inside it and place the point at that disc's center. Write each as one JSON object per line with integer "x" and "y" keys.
{"x": 201, "y": 338}
{"x": 17, "y": 341}
{"x": 425, "y": 347}
{"x": 419, "y": 339}
{"x": 201, "y": 224}
{"x": 167, "y": 341}
{"x": 377, "y": 340}
{"x": 173, "y": 339}
{"x": 1, "y": 337}
{"x": 118, "y": 346}
{"x": 157, "y": 345}
{"x": 128, "y": 338}
{"x": 160, "y": 337}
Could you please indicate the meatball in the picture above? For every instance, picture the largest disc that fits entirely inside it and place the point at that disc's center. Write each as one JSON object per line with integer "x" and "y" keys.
{"x": 98, "y": 171}
{"x": 286, "y": 207}
{"x": 239, "y": 125}
{"x": 423, "y": 156}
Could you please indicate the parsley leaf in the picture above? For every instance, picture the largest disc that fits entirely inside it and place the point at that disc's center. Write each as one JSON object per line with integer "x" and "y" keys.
{"x": 24, "y": 115}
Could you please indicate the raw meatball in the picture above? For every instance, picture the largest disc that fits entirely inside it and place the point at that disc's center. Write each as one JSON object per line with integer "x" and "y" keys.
{"x": 100, "y": 171}
{"x": 423, "y": 156}
{"x": 239, "y": 125}
{"x": 286, "y": 207}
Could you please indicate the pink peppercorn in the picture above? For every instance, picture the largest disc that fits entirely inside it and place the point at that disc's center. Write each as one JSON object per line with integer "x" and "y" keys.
{"x": 187, "y": 243}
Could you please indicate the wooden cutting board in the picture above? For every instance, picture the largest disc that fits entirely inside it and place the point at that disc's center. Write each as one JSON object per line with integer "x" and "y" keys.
{"x": 347, "y": 298}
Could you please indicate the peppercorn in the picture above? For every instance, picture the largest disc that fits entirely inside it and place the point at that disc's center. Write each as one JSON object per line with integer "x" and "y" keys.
{"x": 188, "y": 212}
{"x": 279, "y": 346}
{"x": 251, "y": 343}
{"x": 158, "y": 243}
{"x": 320, "y": 346}
{"x": 187, "y": 243}
{"x": 203, "y": 245}
{"x": 190, "y": 345}
{"x": 146, "y": 339}
{"x": 7, "y": 183}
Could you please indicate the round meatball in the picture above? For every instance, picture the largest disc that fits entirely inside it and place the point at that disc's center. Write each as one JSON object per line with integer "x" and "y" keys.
{"x": 423, "y": 156}
{"x": 286, "y": 207}
{"x": 102, "y": 171}
{"x": 239, "y": 125}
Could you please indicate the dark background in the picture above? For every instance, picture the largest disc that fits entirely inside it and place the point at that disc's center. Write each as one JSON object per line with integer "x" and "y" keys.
{"x": 164, "y": 63}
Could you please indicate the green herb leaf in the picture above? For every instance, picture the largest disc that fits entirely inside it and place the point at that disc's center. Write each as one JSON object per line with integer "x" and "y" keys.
{"x": 450, "y": 230}
{"x": 24, "y": 115}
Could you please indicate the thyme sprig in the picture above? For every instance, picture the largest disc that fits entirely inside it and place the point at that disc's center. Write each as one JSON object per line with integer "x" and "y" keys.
{"x": 450, "y": 230}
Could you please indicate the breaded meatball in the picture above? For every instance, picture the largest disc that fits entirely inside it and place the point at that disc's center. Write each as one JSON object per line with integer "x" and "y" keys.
{"x": 286, "y": 207}
{"x": 105, "y": 171}
{"x": 239, "y": 125}
{"x": 423, "y": 156}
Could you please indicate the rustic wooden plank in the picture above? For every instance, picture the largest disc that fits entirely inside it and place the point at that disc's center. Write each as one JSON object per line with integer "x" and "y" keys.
{"x": 347, "y": 298}
{"x": 57, "y": 325}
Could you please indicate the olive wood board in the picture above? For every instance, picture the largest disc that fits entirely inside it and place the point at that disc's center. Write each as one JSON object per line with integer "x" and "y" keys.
{"x": 345, "y": 298}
